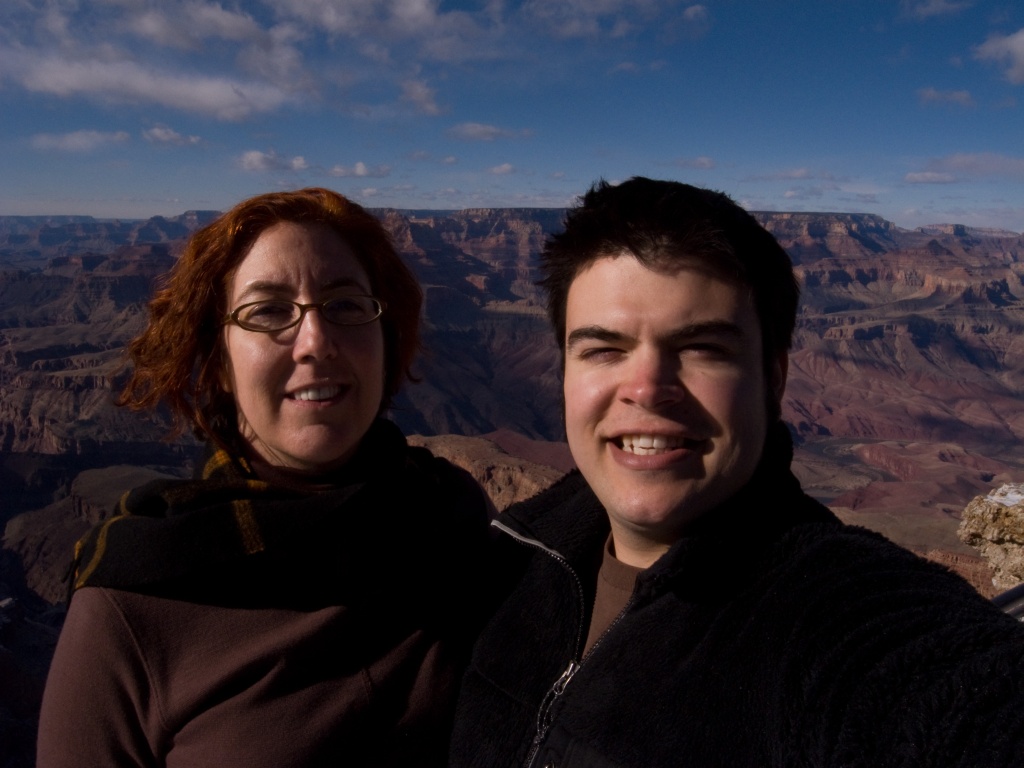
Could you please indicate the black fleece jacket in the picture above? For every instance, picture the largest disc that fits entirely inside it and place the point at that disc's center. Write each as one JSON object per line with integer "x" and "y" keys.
{"x": 771, "y": 635}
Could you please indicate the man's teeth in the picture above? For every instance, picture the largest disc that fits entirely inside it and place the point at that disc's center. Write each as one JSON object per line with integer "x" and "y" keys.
{"x": 316, "y": 393}
{"x": 645, "y": 445}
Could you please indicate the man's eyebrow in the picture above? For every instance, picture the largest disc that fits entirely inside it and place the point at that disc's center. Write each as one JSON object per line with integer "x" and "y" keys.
{"x": 709, "y": 328}
{"x": 686, "y": 333}
{"x": 271, "y": 287}
{"x": 592, "y": 333}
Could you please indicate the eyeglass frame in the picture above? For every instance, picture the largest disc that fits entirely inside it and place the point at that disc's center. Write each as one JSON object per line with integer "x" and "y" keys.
{"x": 232, "y": 317}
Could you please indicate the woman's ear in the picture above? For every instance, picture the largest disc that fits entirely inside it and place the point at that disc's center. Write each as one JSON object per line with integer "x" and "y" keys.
{"x": 224, "y": 374}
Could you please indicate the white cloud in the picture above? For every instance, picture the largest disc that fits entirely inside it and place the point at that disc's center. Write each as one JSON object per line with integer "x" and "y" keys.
{"x": 924, "y": 9}
{"x": 161, "y": 134}
{"x": 612, "y": 18}
{"x": 211, "y": 20}
{"x": 127, "y": 81}
{"x": 866, "y": 198}
{"x": 188, "y": 25}
{"x": 934, "y": 96}
{"x": 421, "y": 96}
{"x": 330, "y": 15}
{"x": 804, "y": 193}
{"x": 255, "y": 160}
{"x": 450, "y": 35}
{"x": 983, "y": 164}
{"x": 793, "y": 174}
{"x": 361, "y": 170}
{"x": 696, "y": 22}
{"x": 502, "y": 170}
{"x": 633, "y": 68}
{"x": 968, "y": 165}
{"x": 701, "y": 162}
{"x": 269, "y": 53}
{"x": 1005, "y": 49}
{"x": 476, "y": 132}
{"x": 484, "y": 132}
{"x": 696, "y": 14}
{"x": 929, "y": 177}
{"x": 78, "y": 141}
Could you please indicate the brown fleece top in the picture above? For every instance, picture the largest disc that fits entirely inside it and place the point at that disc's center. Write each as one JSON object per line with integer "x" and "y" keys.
{"x": 160, "y": 682}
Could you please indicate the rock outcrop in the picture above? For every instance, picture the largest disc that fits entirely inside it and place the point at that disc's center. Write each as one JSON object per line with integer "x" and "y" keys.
{"x": 994, "y": 525}
{"x": 505, "y": 479}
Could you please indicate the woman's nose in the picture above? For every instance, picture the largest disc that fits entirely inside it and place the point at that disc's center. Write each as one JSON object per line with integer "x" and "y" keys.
{"x": 314, "y": 337}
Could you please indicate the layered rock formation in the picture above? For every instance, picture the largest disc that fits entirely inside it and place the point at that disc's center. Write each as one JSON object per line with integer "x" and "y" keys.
{"x": 905, "y": 390}
{"x": 905, "y": 379}
{"x": 994, "y": 525}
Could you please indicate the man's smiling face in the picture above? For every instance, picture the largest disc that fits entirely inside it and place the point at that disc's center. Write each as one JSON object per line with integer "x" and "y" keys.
{"x": 665, "y": 395}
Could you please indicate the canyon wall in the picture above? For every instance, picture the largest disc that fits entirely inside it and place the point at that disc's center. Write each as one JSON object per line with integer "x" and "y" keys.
{"x": 906, "y": 376}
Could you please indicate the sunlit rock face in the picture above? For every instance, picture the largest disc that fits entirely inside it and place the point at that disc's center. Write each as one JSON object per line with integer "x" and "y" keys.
{"x": 994, "y": 525}
{"x": 505, "y": 478}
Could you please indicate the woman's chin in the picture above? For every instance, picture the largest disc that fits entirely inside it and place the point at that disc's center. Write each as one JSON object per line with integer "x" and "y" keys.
{"x": 314, "y": 451}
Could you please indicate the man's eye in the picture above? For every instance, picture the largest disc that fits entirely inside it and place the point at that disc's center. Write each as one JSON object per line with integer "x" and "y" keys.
{"x": 599, "y": 354}
{"x": 707, "y": 350}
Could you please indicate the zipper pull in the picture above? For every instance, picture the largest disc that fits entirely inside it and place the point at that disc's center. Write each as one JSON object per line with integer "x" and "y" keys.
{"x": 544, "y": 713}
{"x": 559, "y": 687}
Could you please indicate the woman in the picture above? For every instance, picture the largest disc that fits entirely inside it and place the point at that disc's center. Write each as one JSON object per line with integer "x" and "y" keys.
{"x": 301, "y": 601}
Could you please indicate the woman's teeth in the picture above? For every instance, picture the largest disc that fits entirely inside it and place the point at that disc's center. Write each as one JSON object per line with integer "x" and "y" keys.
{"x": 645, "y": 445}
{"x": 316, "y": 393}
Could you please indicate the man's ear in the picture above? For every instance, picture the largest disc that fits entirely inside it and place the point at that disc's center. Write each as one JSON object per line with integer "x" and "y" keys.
{"x": 777, "y": 374}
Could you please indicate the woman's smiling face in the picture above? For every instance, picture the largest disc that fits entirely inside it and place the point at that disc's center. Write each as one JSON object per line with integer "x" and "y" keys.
{"x": 305, "y": 395}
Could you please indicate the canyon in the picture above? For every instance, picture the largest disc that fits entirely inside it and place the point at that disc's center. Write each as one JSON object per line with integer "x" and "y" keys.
{"x": 905, "y": 381}
{"x": 905, "y": 394}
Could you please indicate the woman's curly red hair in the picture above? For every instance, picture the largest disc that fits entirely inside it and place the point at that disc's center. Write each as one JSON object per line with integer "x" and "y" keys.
{"x": 177, "y": 358}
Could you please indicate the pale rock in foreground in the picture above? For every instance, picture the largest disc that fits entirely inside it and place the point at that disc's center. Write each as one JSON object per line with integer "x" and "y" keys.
{"x": 994, "y": 525}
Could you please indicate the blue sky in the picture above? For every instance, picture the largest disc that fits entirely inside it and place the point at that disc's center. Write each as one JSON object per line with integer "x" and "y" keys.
{"x": 911, "y": 109}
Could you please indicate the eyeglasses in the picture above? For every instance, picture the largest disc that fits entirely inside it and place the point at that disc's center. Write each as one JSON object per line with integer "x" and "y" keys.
{"x": 274, "y": 315}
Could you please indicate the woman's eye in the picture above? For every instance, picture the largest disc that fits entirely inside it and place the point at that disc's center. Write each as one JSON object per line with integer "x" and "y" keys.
{"x": 344, "y": 305}
{"x": 348, "y": 309}
{"x": 268, "y": 309}
{"x": 268, "y": 313}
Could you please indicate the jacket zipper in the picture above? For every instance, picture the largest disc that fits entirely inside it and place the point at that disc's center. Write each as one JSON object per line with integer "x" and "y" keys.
{"x": 544, "y": 713}
{"x": 556, "y": 690}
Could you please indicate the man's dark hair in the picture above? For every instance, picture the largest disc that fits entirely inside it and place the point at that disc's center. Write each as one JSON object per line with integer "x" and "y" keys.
{"x": 663, "y": 224}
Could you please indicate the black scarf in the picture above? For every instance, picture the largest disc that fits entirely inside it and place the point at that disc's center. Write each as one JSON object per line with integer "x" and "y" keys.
{"x": 395, "y": 520}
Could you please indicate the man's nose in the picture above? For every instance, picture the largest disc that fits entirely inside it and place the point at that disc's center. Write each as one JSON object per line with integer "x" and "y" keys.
{"x": 314, "y": 337}
{"x": 652, "y": 379}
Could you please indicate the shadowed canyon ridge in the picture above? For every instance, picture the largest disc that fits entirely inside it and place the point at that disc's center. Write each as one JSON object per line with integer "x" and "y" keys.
{"x": 905, "y": 389}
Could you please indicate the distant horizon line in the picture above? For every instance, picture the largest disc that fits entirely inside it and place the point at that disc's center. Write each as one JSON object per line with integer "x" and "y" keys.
{"x": 79, "y": 217}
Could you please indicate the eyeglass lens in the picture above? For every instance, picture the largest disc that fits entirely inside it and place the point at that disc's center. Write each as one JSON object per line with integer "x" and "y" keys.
{"x": 278, "y": 314}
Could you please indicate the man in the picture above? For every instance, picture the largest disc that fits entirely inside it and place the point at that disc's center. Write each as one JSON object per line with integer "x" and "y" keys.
{"x": 680, "y": 601}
